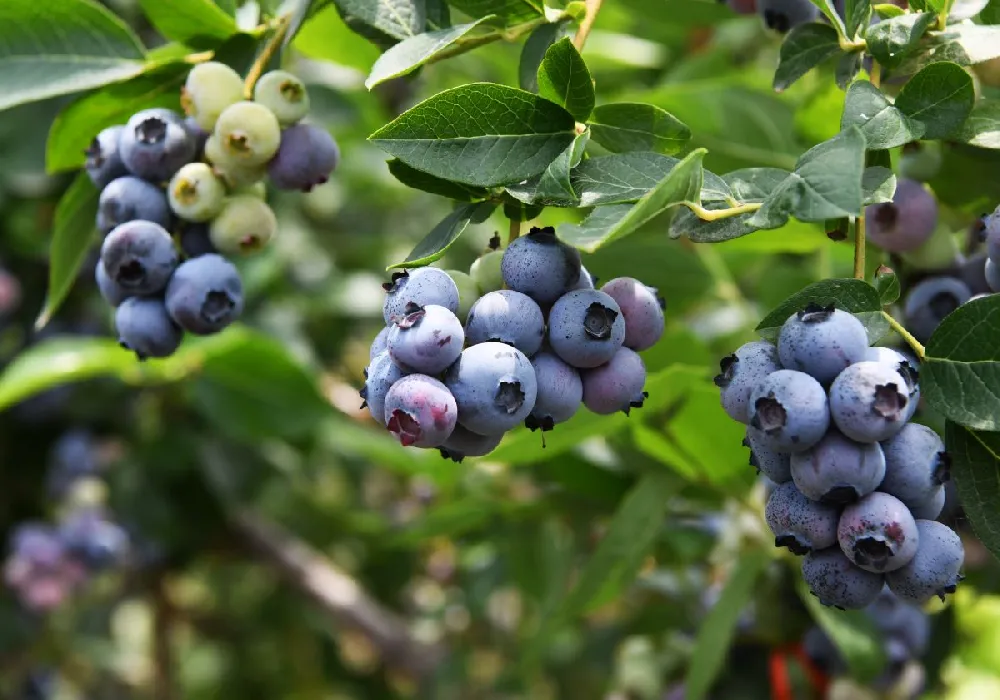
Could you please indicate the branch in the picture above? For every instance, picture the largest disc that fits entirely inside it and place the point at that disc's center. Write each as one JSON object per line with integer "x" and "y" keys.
{"x": 918, "y": 348}
{"x": 718, "y": 214}
{"x": 165, "y": 687}
{"x": 593, "y": 7}
{"x": 859, "y": 247}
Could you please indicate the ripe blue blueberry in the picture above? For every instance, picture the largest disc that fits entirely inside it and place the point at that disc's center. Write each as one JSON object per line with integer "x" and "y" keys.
{"x": 95, "y": 540}
{"x": 423, "y": 287}
{"x": 741, "y": 371}
{"x": 905, "y": 223}
{"x": 560, "y": 392}
{"x": 934, "y": 569}
{"x": 306, "y": 157}
{"x": 495, "y": 387}
{"x": 380, "y": 375}
{"x": 821, "y": 342}
{"x": 508, "y": 317}
{"x": 992, "y": 271}
{"x": 642, "y": 308}
{"x": 783, "y": 15}
{"x": 129, "y": 198}
{"x": 898, "y": 619}
{"x": 823, "y": 652}
{"x": 776, "y": 466}
{"x": 104, "y": 162}
{"x": 112, "y": 292}
{"x": 799, "y": 523}
{"x": 930, "y": 507}
{"x": 916, "y": 465}
{"x": 838, "y": 470}
{"x": 464, "y": 443}
{"x": 991, "y": 234}
{"x": 616, "y": 385}
{"x": 908, "y": 368}
{"x": 878, "y": 533}
{"x": 380, "y": 343}
{"x": 868, "y": 401}
{"x": 837, "y": 582}
{"x": 790, "y": 409}
{"x": 427, "y": 339}
{"x": 540, "y": 265}
{"x": 139, "y": 256}
{"x": 930, "y": 301}
{"x": 420, "y": 411}
{"x": 586, "y": 328}
{"x": 195, "y": 240}
{"x": 155, "y": 144}
{"x": 586, "y": 281}
{"x": 199, "y": 135}
{"x": 205, "y": 294}
{"x": 145, "y": 328}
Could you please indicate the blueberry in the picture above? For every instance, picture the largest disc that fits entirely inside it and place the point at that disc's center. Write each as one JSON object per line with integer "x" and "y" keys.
{"x": 112, "y": 292}
{"x": 247, "y": 134}
{"x": 930, "y": 301}
{"x": 540, "y": 265}
{"x": 837, "y": 582}
{"x": 495, "y": 387}
{"x": 783, "y": 15}
{"x": 838, "y": 470}
{"x": 464, "y": 443}
{"x": 210, "y": 88}
{"x": 485, "y": 270}
{"x": 73, "y": 457}
{"x": 741, "y": 371}
{"x": 930, "y": 507}
{"x": 199, "y": 135}
{"x": 420, "y": 411}
{"x": 155, "y": 144}
{"x": 508, "y": 317}
{"x": 799, "y": 523}
{"x": 821, "y": 342}
{"x": 878, "y": 533}
{"x": 934, "y": 570}
{"x": 776, "y": 466}
{"x": 916, "y": 464}
{"x": 94, "y": 539}
{"x": 900, "y": 620}
{"x": 586, "y": 328}
{"x": 145, "y": 328}
{"x": 560, "y": 392}
{"x": 869, "y": 401}
{"x": 790, "y": 410}
{"x": 244, "y": 225}
{"x": 468, "y": 292}
{"x": 991, "y": 234}
{"x": 992, "y": 271}
{"x": 587, "y": 281}
{"x": 205, "y": 294}
{"x": 196, "y": 193}
{"x": 616, "y": 385}
{"x": 104, "y": 162}
{"x": 823, "y": 652}
{"x": 907, "y": 366}
{"x": 380, "y": 343}
{"x": 642, "y": 308}
{"x": 427, "y": 339}
{"x": 128, "y": 199}
{"x": 423, "y": 287}
{"x": 284, "y": 94}
{"x": 380, "y": 375}
{"x": 195, "y": 240}
{"x": 306, "y": 157}
{"x": 139, "y": 256}
{"x": 905, "y": 223}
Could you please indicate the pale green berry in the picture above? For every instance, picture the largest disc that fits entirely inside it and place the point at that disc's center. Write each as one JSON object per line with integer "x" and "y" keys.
{"x": 468, "y": 292}
{"x": 248, "y": 134}
{"x": 244, "y": 225}
{"x": 209, "y": 89}
{"x": 196, "y": 193}
{"x": 284, "y": 94}
{"x": 486, "y": 271}
{"x": 236, "y": 175}
{"x": 256, "y": 189}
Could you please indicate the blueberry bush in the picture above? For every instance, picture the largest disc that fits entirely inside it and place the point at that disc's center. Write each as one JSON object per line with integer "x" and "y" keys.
{"x": 635, "y": 349}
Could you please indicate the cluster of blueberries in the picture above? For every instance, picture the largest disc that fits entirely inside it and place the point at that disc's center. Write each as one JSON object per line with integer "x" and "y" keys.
{"x": 538, "y": 340}
{"x": 199, "y": 179}
{"x": 47, "y": 563}
{"x": 991, "y": 236}
{"x": 857, "y": 486}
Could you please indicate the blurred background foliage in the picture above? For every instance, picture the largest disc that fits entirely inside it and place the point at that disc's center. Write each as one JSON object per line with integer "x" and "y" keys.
{"x": 625, "y": 557}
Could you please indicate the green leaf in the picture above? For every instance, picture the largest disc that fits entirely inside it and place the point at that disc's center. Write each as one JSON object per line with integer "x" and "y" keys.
{"x": 510, "y": 136}
{"x": 847, "y": 69}
{"x": 78, "y": 124}
{"x": 961, "y": 10}
{"x": 878, "y": 185}
{"x": 610, "y": 223}
{"x": 858, "y": 15}
{"x": 887, "y": 285}
{"x": 826, "y": 184}
{"x": 627, "y": 177}
{"x": 883, "y": 125}
{"x": 856, "y": 296}
{"x": 888, "y": 11}
{"x": 982, "y": 128}
{"x": 438, "y": 14}
{"x": 891, "y": 40}
{"x": 533, "y": 52}
{"x": 554, "y": 187}
{"x": 960, "y": 373}
{"x": 304, "y": 11}
{"x": 72, "y": 235}
{"x": 828, "y": 8}
{"x": 197, "y": 23}
{"x": 419, "y": 180}
{"x": 716, "y": 633}
{"x": 965, "y": 44}
{"x": 975, "y": 468}
{"x": 58, "y": 47}
{"x": 630, "y": 126}
{"x": 384, "y": 21}
{"x": 509, "y": 12}
{"x": 563, "y": 78}
{"x": 435, "y": 243}
{"x": 411, "y": 53}
{"x": 804, "y": 48}
{"x": 940, "y": 96}
{"x": 748, "y": 185}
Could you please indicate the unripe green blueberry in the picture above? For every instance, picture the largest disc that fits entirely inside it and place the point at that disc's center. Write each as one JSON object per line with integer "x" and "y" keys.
{"x": 209, "y": 89}
{"x": 468, "y": 292}
{"x": 284, "y": 94}
{"x": 248, "y": 134}
{"x": 256, "y": 189}
{"x": 485, "y": 271}
{"x": 244, "y": 225}
{"x": 196, "y": 193}
{"x": 235, "y": 175}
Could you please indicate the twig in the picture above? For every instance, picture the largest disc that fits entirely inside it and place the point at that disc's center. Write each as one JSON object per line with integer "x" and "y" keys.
{"x": 163, "y": 658}
{"x": 513, "y": 231}
{"x": 717, "y": 214}
{"x": 859, "y": 247}
{"x": 593, "y": 7}
{"x": 918, "y": 348}
{"x": 272, "y": 45}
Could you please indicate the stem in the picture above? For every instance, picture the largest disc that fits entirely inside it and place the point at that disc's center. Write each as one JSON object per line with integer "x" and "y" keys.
{"x": 593, "y": 7}
{"x": 717, "y": 214}
{"x": 272, "y": 45}
{"x": 195, "y": 58}
{"x": 906, "y": 335}
{"x": 876, "y": 73}
{"x": 473, "y": 42}
{"x": 513, "y": 231}
{"x": 859, "y": 248}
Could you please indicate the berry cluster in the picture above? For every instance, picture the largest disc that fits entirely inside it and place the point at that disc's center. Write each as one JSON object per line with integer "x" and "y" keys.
{"x": 858, "y": 486}
{"x": 202, "y": 179}
{"x": 991, "y": 235}
{"x": 530, "y": 353}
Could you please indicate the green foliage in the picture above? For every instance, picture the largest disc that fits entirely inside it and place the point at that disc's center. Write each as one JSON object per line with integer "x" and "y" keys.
{"x": 563, "y": 78}
{"x": 856, "y": 296}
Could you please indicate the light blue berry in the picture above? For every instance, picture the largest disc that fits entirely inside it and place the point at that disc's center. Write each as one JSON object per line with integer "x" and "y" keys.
{"x": 423, "y": 286}
{"x": 586, "y": 328}
{"x": 420, "y": 411}
{"x": 934, "y": 569}
{"x": 821, "y": 342}
{"x": 799, "y": 523}
{"x": 916, "y": 464}
{"x": 380, "y": 375}
{"x": 838, "y": 470}
{"x": 868, "y": 402}
{"x": 617, "y": 385}
{"x": 878, "y": 533}
{"x": 776, "y": 466}
{"x": 540, "y": 265}
{"x": 145, "y": 328}
{"x": 495, "y": 388}
{"x": 930, "y": 301}
{"x": 508, "y": 317}
{"x": 560, "y": 392}
{"x": 427, "y": 339}
{"x": 837, "y": 582}
{"x": 139, "y": 256}
{"x": 464, "y": 443}
{"x": 790, "y": 409}
{"x": 740, "y": 372}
